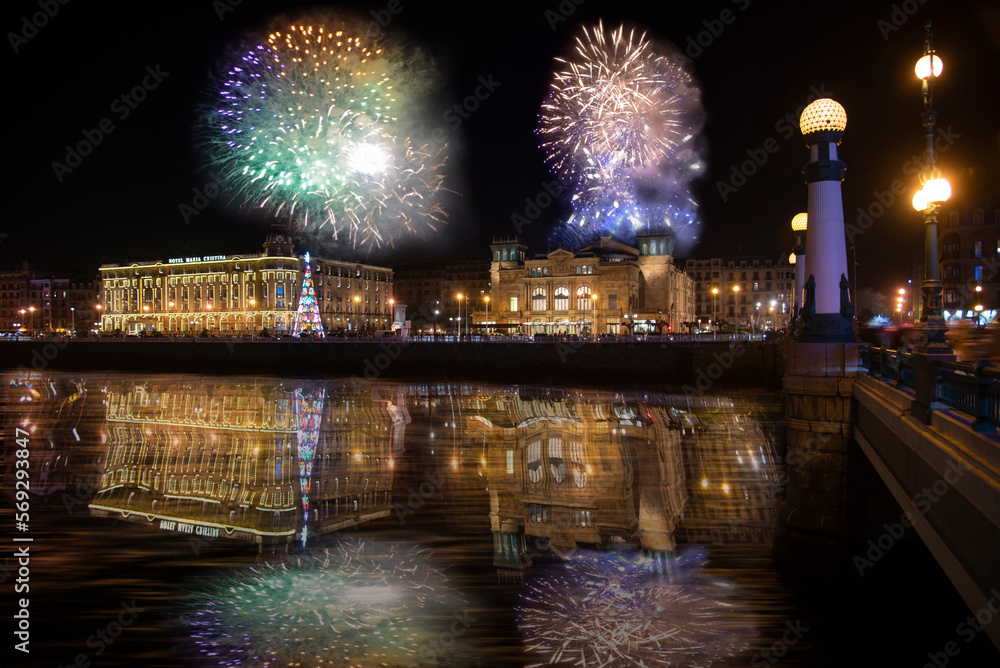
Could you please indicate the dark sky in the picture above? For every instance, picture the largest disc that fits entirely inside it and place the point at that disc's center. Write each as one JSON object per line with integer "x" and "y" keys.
{"x": 122, "y": 200}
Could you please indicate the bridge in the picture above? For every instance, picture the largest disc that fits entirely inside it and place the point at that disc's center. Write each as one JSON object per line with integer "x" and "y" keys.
{"x": 928, "y": 425}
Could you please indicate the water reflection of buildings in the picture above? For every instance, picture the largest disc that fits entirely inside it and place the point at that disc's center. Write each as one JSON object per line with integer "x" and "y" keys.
{"x": 255, "y": 459}
{"x": 568, "y": 469}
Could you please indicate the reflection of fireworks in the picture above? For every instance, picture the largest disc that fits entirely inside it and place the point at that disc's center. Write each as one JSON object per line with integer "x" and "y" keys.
{"x": 354, "y": 605}
{"x": 306, "y": 128}
{"x": 617, "y": 126}
{"x": 603, "y": 610}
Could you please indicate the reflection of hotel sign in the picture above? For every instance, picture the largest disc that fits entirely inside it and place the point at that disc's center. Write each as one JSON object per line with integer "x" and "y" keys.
{"x": 207, "y": 258}
{"x": 196, "y": 529}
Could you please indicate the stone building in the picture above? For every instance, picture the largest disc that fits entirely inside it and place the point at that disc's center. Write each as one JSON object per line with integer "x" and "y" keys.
{"x": 969, "y": 244}
{"x": 428, "y": 287}
{"x": 608, "y": 287}
{"x": 51, "y": 304}
{"x": 242, "y": 293}
{"x": 764, "y": 298}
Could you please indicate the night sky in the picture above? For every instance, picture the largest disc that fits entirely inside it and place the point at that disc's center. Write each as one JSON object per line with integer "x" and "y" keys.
{"x": 123, "y": 200}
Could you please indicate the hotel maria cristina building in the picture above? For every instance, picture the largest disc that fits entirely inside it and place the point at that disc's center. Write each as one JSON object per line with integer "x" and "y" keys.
{"x": 242, "y": 293}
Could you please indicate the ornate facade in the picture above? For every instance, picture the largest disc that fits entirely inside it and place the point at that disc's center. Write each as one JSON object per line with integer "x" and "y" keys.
{"x": 607, "y": 287}
{"x": 242, "y": 294}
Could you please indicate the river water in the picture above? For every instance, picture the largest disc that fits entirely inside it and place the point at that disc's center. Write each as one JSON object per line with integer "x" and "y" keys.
{"x": 250, "y": 521}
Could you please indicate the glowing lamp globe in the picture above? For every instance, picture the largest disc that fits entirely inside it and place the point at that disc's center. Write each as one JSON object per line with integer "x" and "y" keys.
{"x": 920, "y": 200}
{"x": 791, "y": 258}
{"x": 923, "y": 67}
{"x": 938, "y": 190}
{"x": 800, "y": 222}
{"x": 823, "y": 116}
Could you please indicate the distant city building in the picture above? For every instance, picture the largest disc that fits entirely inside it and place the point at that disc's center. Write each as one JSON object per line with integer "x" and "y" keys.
{"x": 969, "y": 247}
{"x": 608, "y": 287}
{"x": 242, "y": 293}
{"x": 764, "y": 280}
{"x": 51, "y": 304}
{"x": 429, "y": 287}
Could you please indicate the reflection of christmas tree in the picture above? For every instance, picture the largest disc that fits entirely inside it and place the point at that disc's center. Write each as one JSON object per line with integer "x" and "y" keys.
{"x": 307, "y": 319}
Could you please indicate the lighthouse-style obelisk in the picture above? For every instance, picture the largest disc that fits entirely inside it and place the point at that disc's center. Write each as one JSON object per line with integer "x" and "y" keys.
{"x": 827, "y": 311}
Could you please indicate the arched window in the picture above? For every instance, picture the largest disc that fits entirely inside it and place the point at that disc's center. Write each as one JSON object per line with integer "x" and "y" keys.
{"x": 562, "y": 299}
{"x": 645, "y": 248}
{"x": 583, "y": 298}
{"x": 538, "y": 302}
{"x": 556, "y": 463}
{"x": 663, "y": 246}
{"x": 504, "y": 254}
{"x": 577, "y": 269}
{"x": 535, "y": 462}
{"x": 579, "y": 466}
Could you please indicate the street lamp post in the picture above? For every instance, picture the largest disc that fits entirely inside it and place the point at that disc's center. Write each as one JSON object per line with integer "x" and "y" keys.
{"x": 934, "y": 190}
{"x": 459, "y": 327}
{"x": 715, "y": 312}
{"x": 72, "y": 315}
{"x": 800, "y": 225}
{"x": 357, "y": 314}
{"x": 736, "y": 301}
{"x": 593, "y": 315}
{"x": 31, "y": 311}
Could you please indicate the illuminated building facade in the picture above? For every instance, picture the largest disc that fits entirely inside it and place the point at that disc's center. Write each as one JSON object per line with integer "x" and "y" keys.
{"x": 425, "y": 288}
{"x": 242, "y": 294}
{"x": 763, "y": 279}
{"x": 608, "y": 287}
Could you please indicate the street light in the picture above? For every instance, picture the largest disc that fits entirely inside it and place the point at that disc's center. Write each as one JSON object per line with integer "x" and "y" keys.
{"x": 31, "y": 312}
{"x": 934, "y": 190}
{"x": 357, "y": 313}
{"x": 593, "y": 314}
{"x": 459, "y": 329}
{"x": 72, "y": 315}
{"x": 487, "y": 300}
{"x": 979, "y": 315}
{"x": 800, "y": 226}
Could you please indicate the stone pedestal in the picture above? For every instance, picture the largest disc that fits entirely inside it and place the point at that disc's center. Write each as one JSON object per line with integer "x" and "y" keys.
{"x": 812, "y": 525}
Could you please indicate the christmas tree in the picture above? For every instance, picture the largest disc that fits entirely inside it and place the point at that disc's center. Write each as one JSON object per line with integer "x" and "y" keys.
{"x": 307, "y": 319}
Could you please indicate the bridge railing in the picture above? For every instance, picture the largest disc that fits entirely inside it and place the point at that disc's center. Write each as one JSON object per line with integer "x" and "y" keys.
{"x": 969, "y": 388}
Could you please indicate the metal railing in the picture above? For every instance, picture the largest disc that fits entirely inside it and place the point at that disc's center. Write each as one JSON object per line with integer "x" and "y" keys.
{"x": 969, "y": 388}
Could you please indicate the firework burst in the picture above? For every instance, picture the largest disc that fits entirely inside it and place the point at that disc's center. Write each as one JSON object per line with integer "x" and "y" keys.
{"x": 617, "y": 126}
{"x": 306, "y": 127}
{"x": 357, "y": 604}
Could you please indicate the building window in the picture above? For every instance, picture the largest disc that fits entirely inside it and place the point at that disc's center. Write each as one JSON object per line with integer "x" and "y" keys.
{"x": 979, "y": 272}
{"x": 513, "y": 300}
{"x": 978, "y": 252}
{"x": 562, "y": 299}
{"x": 538, "y": 299}
{"x": 612, "y": 302}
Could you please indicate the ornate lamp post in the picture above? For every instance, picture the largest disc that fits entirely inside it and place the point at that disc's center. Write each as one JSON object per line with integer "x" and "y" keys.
{"x": 934, "y": 189}
{"x": 800, "y": 223}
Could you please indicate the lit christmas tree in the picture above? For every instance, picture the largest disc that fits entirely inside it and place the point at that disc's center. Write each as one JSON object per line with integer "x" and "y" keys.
{"x": 307, "y": 319}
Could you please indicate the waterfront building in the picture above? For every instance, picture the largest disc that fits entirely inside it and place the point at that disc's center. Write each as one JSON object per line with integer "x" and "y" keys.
{"x": 767, "y": 280}
{"x": 428, "y": 287}
{"x": 243, "y": 293}
{"x": 607, "y": 287}
{"x": 51, "y": 304}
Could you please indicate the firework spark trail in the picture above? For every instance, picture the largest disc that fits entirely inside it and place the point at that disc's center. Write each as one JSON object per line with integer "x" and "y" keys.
{"x": 618, "y": 126}
{"x": 604, "y": 611}
{"x": 306, "y": 127}
{"x": 342, "y": 608}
